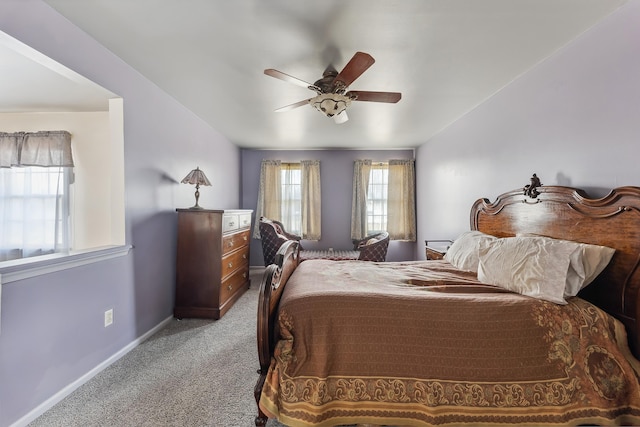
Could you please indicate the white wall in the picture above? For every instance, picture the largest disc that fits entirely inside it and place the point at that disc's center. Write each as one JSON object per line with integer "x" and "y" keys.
{"x": 574, "y": 120}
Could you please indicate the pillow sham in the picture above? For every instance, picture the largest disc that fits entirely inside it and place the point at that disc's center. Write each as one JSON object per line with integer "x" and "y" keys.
{"x": 586, "y": 263}
{"x": 541, "y": 267}
{"x": 463, "y": 252}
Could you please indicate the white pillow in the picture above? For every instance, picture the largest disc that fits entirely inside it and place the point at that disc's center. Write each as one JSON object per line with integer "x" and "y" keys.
{"x": 541, "y": 267}
{"x": 595, "y": 259}
{"x": 463, "y": 253}
{"x": 586, "y": 264}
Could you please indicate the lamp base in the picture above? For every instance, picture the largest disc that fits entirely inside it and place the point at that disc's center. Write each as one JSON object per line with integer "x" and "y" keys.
{"x": 197, "y": 206}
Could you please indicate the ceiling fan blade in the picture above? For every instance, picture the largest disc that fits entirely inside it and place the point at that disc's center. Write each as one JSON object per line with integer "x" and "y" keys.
{"x": 358, "y": 64}
{"x": 341, "y": 118}
{"x": 287, "y": 78}
{"x": 292, "y": 106}
{"x": 363, "y": 95}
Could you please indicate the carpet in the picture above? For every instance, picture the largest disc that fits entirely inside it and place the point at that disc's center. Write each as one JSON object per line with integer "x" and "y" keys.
{"x": 193, "y": 372}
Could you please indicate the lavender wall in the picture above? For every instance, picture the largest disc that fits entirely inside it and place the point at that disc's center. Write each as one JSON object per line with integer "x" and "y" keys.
{"x": 52, "y": 325}
{"x": 574, "y": 120}
{"x": 336, "y": 172}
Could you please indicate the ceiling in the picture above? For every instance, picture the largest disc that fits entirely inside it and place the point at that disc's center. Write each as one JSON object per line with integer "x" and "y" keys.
{"x": 444, "y": 56}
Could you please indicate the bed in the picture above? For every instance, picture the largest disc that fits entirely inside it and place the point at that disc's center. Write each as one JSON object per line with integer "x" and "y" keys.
{"x": 425, "y": 343}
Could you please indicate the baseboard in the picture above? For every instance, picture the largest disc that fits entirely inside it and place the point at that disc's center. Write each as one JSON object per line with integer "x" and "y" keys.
{"x": 66, "y": 391}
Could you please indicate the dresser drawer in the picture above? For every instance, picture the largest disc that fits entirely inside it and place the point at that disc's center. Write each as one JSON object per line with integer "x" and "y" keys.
{"x": 230, "y": 222}
{"x": 231, "y": 285}
{"x": 233, "y": 261}
{"x": 235, "y": 241}
{"x": 245, "y": 220}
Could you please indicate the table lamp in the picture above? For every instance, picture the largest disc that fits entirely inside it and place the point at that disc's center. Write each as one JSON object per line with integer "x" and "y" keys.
{"x": 198, "y": 178}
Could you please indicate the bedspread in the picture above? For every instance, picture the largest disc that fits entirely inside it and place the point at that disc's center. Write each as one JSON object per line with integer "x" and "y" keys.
{"x": 421, "y": 343}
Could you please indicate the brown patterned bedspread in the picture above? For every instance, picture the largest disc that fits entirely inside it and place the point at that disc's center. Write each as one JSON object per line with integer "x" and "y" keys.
{"x": 421, "y": 343}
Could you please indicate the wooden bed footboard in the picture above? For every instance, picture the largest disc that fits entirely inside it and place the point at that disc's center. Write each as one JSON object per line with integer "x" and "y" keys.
{"x": 273, "y": 282}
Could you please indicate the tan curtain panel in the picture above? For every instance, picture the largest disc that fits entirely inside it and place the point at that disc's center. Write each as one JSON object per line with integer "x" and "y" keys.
{"x": 361, "y": 170}
{"x": 401, "y": 203}
{"x": 46, "y": 149}
{"x": 311, "y": 200}
{"x": 269, "y": 197}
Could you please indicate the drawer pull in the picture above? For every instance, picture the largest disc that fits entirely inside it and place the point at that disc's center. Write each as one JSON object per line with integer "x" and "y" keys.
{"x": 231, "y": 224}
{"x": 245, "y": 238}
{"x": 244, "y": 275}
{"x": 230, "y": 265}
{"x": 230, "y": 287}
{"x": 230, "y": 244}
{"x": 244, "y": 256}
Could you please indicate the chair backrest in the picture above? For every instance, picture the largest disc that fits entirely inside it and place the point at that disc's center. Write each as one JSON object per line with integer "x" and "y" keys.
{"x": 272, "y": 236}
{"x": 285, "y": 233}
{"x": 375, "y": 248}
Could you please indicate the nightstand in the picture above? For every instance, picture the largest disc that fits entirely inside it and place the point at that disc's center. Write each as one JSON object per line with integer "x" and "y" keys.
{"x": 436, "y": 249}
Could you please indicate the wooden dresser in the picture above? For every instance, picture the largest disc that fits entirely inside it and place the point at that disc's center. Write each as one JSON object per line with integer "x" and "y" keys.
{"x": 212, "y": 269}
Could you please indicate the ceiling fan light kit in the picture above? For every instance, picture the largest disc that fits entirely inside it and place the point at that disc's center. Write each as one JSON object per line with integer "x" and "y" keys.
{"x": 330, "y": 104}
{"x": 333, "y": 96}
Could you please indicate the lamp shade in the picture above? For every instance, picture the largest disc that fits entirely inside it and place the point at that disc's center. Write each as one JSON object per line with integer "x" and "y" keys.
{"x": 198, "y": 178}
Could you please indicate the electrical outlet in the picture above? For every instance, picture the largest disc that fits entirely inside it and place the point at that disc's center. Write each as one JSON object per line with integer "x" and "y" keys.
{"x": 108, "y": 317}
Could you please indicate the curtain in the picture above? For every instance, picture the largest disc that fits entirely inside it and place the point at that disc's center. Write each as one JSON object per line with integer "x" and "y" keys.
{"x": 10, "y": 144}
{"x": 269, "y": 197}
{"x": 47, "y": 149}
{"x": 361, "y": 170}
{"x": 311, "y": 200}
{"x": 34, "y": 212}
{"x": 34, "y": 182}
{"x": 401, "y": 211}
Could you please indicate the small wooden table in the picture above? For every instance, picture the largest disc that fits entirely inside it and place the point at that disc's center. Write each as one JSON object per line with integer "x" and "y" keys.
{"x": 436, "y": 249}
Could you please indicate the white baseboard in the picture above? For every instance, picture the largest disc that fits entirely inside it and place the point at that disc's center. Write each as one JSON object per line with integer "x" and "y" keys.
{"x": 66, "y": 391}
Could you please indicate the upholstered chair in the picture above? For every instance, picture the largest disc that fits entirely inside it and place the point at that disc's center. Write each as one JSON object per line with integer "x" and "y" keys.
{"x": 273, "y": 235}
{"x": 373, "y": 248}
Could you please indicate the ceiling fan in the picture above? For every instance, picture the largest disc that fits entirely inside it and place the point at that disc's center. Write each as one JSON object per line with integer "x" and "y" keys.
{"x": 333, "y": 96}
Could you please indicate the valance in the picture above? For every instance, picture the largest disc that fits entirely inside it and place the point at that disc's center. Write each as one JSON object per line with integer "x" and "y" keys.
{"x": 45, "y": 148}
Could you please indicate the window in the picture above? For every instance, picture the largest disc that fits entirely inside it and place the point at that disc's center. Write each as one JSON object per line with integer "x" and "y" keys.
{"x": 377, "y": 198}
{"x": 291, "y": 199}
{"x": 35, "y": 211}
{"x": 383, "y": 199}
{"x": 290, "y": 193}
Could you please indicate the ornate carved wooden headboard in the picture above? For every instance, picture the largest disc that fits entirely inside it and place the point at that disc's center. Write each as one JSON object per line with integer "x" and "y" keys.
{"x": 567, "y": 213}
